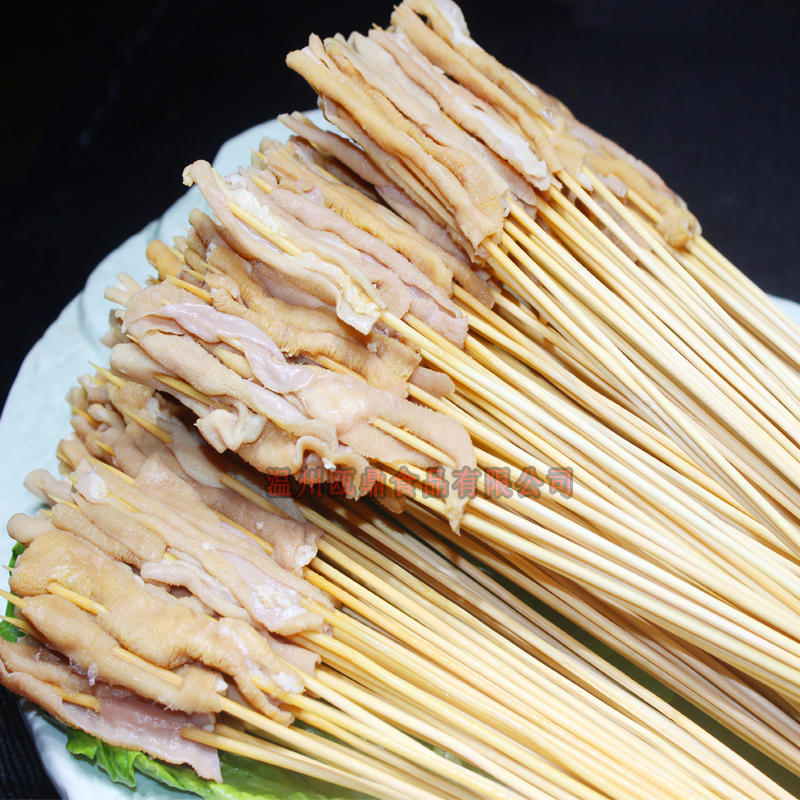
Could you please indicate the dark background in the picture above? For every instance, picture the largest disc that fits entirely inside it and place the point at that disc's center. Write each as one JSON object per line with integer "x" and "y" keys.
{"x": 103, "y": 106}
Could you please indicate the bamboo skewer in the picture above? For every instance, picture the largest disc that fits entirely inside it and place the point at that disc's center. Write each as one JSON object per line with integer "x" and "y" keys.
{"x": 390, "y": 321}
{"x": 710, "y": 639}
{"x": 777, "y": 734}
{"x": 229, "y": 739}
{"x": 763, "y": 400}
{"x": 595, "y": 452}
{"x": 433, "y": 572}
{"x": 646, "y": 794}
{"x": 660, "y": 410}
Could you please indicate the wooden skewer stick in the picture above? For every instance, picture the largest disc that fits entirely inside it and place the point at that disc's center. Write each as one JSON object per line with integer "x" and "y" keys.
{"x": 328, "y": 752}
{"x": 362, "y": 743}
{"x": 233, "y": 741}
{"x": 665, "y": 615}
{"x": 747, "y": 379}
{"x": 85, "y": 603}
{"x": 78, "y": 698}
{"x": 138, "y": 661}
{"x": 658, "y": 409}
{"x": 449, "y": 633}
{"x": 24, "y": 626}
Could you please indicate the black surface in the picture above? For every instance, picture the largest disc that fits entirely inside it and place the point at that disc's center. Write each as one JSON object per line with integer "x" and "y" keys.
{"x": 103, "y": 107}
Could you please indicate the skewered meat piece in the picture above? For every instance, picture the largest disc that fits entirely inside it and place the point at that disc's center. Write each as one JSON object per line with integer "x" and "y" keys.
{"x": 123, "y": 719}
{"x": 193, "y": 533}
{"x": 324, "y": 412}
{"x": 75, "y": 633}
{"x": 358, "y": 260}
{"x": 148, "y": 621}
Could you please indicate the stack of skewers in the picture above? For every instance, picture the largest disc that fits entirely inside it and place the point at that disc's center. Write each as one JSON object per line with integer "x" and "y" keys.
{"x": 510, "y": 335}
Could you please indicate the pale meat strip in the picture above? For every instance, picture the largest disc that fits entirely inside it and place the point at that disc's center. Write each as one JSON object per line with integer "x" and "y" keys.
{"x": 321, "y": 322}
{"x": 252, "y": 406}
{"x": 72, "y": 450}
{"x": 348, "y": 424}
{"x": 433, "y": 382}
{"x": 184, "y": 357}
{"x": 76, "y": 634}
{"x": 478, "y": 215}
{"x": 123, "y": 720}
{"x": 224, "y": 428}
{"x": 150, "y": 622}
{"x": 161, "y": 484}
{"x": 469, "y": 64}
{"x": 307, "y": 208}
{"x": 24, "y": 529}
{"x": 69, "y": 518}
{"x": 41, "y": 484}
{"x": 270, "y": 594}
{"x": 293, "y": 338}
{"x": 324, "y": 280}
{"x": 362, "y": 280}
{"x": 410, "y": 104}
{"x": 408, "y": 193}
{"x": 323, "y": 401}
{"x": 607, "y": 158}
{"x": 426, "y": 235}
{"x": 484, "y": 194}
{"x": 523, "y": 169}
{"x": 294, "y": 542}
{"x": 419, "y": 216}
{"x": 390, "y": 271}
{"x": 287, "y": 164}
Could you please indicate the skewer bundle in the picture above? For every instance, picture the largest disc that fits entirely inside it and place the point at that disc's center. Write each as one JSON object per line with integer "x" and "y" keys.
{"x": 693, "y": 387}
{"x": 401, "y": 662}
{"x": 661, "y": 545}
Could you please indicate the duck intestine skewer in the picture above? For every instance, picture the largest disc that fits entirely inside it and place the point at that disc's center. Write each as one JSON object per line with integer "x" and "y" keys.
{"x": 273, "y": 425}
{"x": 582, "y": 316}
{"x": 738, "y": 594}
{"x": 92, "y": 440}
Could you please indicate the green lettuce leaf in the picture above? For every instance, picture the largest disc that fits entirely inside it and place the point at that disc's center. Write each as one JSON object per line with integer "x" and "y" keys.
{"x": 8, "y": 631}
{"x": 243, "y": 779}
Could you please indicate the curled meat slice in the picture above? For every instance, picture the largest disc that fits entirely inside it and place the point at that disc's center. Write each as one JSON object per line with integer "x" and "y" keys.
{"x": 609, "y": 160}
{"x": 363, "y": 162}
{"x": 448, "y": 45}
{"x": 461, "y": 187}
{"x": 24, "y": 529}
{"x": 150, "y": 622}
{"x": 293, "y": 539}
{"x": 169, "y": 507}
{"x": 350, "y": 293}
{"x": 123, "y": 720}
{"x": 472, "y": 114}
{"x": 76, "y": 634}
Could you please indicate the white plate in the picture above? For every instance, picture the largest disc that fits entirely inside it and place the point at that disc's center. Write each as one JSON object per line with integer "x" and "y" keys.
{"x": 35, "y": 417}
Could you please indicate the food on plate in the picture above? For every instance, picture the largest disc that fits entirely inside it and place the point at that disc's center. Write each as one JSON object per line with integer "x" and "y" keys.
{"x": 469, "y": 325}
